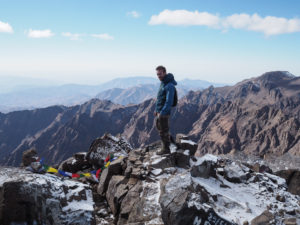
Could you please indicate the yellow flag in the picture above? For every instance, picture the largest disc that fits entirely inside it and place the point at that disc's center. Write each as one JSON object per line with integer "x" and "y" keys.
{"x": 107, "y": 164}
{"x": 87, "y": 174}
{"x": 53, "y": 170}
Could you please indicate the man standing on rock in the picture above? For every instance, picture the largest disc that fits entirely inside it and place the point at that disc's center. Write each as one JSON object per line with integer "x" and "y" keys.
{"x": 166, "y": 98}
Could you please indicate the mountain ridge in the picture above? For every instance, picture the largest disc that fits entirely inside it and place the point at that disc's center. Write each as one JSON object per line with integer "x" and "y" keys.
{"x": 253, "y": 116}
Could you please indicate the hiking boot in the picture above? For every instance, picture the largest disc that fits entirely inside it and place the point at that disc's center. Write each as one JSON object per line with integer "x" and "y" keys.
{"x": 165, "y": 149}
{"x": 172, "y": 139}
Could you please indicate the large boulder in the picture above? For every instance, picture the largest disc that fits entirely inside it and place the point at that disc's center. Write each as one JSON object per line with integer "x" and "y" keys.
{"x": 183, "y": 204}
{"x": 184, "y": 143}
{"x": 237, "y": 173}
{"x": 182, "y": 158}
{"x": 115, "y": 168}
{"x": 180, "y": 137}
{"x": 29, "y": 198}
{"x": 130, "y": 201}
{"x": 116, "y": 191}
{"x": 264, "y": 219}
{"x": 146, "y": 210}
{"x": 29, "y": 156}
{"x": 260, "y": 168}
{"x": 163, "y": 162}
{"x": 292, "y": 178}
{"x": 75, "y": 163}
{"x": 105, "y": 145}
{"x": 205, "y": 166}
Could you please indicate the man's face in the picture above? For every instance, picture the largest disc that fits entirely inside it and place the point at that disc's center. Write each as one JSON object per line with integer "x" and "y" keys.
{"x": 160, "y": 74}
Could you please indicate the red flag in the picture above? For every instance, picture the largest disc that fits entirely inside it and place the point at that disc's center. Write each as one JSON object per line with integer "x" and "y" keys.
{"x": 75, "y": 175}
{"x": 98, "y": 172}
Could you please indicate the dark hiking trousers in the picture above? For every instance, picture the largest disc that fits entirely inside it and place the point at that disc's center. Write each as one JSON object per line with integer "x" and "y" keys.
{"x": 162, "y": 125}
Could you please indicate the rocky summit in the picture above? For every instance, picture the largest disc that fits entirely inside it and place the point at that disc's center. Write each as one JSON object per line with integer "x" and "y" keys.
{"x": 141, "y": 187}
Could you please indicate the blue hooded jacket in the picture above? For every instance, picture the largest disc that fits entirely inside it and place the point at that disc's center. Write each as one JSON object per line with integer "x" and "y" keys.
{"x": 165, "y": 95}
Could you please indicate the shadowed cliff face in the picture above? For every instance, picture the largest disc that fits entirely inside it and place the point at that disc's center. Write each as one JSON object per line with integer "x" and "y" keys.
{"x": 257, "y": 116}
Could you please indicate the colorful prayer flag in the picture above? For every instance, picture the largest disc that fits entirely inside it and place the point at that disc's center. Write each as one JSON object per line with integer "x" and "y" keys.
{"x": 52, "y": 170}
{"x": 107, "y": 164}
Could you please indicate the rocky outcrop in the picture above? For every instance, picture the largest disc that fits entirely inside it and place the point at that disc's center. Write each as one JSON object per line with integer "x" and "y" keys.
{"x": 264, "y": 219}
{"x": 29, "y": 156}
{"x": 114, "y": 168}
{"x": 75, "y": 163}
{"x": 105, "y": 145}
{"x": 29, "y": 198}
{"x": 175, "y": 195}
{"x": 141, "y": 187}
{"x": 292, "y": 178}
{"x": 154, "y": 189}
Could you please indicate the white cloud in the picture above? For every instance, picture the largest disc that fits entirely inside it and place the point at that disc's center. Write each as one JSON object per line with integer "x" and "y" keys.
{"x": 5, "y": 27}
{"x": 39, "y": 33}
{"x": 104, "y": 36}
{"x": 134, "y": 14}
{"x": 185, "y": 18}
{"x": 74, "y": 37}
{"x": 269, "y": 25}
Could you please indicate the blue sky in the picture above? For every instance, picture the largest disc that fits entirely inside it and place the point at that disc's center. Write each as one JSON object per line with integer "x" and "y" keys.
{"x": 92, "y": 41}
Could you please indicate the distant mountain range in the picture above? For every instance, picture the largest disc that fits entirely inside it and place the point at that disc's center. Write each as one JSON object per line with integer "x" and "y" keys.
{"x": 257, "y": 116}
{"x": 140, "y": 93}
{"x": 18, "y": 94}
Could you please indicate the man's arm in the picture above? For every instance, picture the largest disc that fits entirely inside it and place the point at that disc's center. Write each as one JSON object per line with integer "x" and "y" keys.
{"x": 170, "y": 89}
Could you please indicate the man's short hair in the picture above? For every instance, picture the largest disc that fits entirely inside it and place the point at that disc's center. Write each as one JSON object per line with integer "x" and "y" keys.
{"x": 161, "y": 68}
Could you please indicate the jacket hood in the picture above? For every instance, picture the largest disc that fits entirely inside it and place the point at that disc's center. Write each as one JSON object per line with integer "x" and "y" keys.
{"x": 169, "y": 78}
